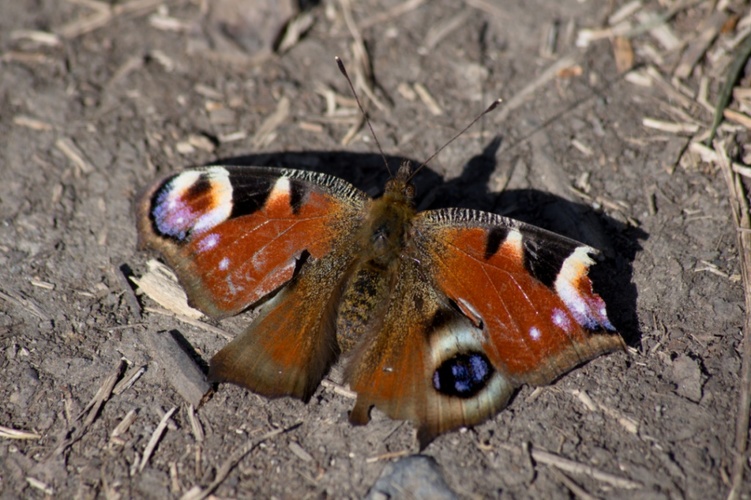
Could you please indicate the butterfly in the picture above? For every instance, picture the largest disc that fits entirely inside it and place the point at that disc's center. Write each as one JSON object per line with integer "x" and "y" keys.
{"x": 440, "y": 315}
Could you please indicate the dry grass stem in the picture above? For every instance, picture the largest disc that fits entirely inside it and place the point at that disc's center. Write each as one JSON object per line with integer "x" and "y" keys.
{"x": 128, "y": 380}
{"x": 32, "y": 123}
{"x": 567, "y": 465}
{"x": 40, "y": 485}
{"x": 196, "y": 493}
{"x": 737, "y": 194}
{"x": 670, "y": 127}
{"x": 41, "y": 37}
{"x": 518, "y": 99}
{"x": 393, "y": 12}
{"x": 668, "y": 89}
{"x": 195, "y": 424}
{"x": 428, "y": 100}
{"x": 698, "y": 46}
{"x": 388, "y": 456}
{"x": 489, "y": 7}
{"x": 624, "y": 12}
{"x": 300, "y": 452}
{"x": 439, "y": 32}
{"x": 103, "y": 14}
{"x": 191, "y": 321}
{"x": 569, "y": 483}
{"x": 9, "y": 433}
{"x": 339, "y": 389}
{"x": 124, "y": 424}
{"x": 75, "y": 155}
{"x": 266, "y": 132}
{"x": 155, "y": 437}
{"x": 90, "y": 411}
{"x": 737, "y": 117}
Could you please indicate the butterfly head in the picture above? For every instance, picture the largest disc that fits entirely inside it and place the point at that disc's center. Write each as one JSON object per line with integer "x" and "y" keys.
{"x": 400, "y": 186}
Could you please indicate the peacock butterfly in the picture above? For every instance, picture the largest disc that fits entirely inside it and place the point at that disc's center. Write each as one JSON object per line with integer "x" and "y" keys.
{"x": 441, "y": 314}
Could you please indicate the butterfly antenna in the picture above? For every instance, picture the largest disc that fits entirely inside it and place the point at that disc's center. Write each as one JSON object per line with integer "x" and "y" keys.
{"x": 488, "y": 110}
{"x": 364, "y": 114}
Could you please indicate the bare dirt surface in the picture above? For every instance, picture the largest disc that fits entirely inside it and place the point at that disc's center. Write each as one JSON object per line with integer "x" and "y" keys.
{"x": 94, "y": 111}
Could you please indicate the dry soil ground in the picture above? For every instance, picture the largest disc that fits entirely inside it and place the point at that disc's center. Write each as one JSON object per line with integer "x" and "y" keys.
{"x": 99, "y": 99}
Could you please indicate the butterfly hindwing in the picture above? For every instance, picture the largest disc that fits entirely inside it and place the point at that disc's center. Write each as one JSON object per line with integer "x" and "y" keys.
{"x": 426, "y": 363}
{"x": 288, "y": 348}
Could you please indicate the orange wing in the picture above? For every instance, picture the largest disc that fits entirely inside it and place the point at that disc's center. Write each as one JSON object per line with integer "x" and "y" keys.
{"x": 234, "y": 235}
{"x": 483, "y": 305}
{"x": 527, "y": 287}
{"x": 399, "y": 368}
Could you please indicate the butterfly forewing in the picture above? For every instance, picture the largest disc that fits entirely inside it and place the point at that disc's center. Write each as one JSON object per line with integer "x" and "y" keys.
{"x": 527, "y": 287}
{"x": 234, "y": 234}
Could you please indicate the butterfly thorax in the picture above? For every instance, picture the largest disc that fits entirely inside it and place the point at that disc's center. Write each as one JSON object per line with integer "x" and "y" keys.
{"x": 388, "y": 218}
{"x": 380, "y": 246}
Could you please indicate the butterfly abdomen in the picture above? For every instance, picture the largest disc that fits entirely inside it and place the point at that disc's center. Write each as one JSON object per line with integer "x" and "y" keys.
{"x": 362, "y": 304}
{"x": 380, "y": 245}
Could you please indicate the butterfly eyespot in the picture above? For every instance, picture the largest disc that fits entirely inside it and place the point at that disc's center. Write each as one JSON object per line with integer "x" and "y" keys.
{"x": 191, "y": 203}
{"x": 463, "y": 375}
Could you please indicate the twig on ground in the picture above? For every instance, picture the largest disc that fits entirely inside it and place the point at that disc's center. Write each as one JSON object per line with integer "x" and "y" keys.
{"x": 128, "y": 380}
{"x": 196, "y": 493}
{"x": 577, "y": 490}
{"x": 103, "y": 14}
{"x": 71, "y": 151}
{"x": 339, "y": 389}
{"x": 739, "y": 202}
{"x": 387, "y": 456}
{"x": 91, "y": 411}
{"x": 40, "y": 485}
{"x": 670, "y": 127}
{"x": 120, "y": 274}
{"x": 509, "y": 105}
{"x": 181, "y": 371}
{"x": 155, "y": 437}
{"x": 24, "y": 303}
{"x": 266, "y": 132}
{"x": 363, "y": 77}
{"x": 191, "y": 321}
{"x": 579, "y": 468}
{"x": 744, "y": 52}
{"x": 396, "y": 11}
{"x": 124, "y": 424}
{"x": 698, "y": 46}
{"x": 9, "y": 433}
{"x": 195, "y": 424}
{"x": 738, "y": 117}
